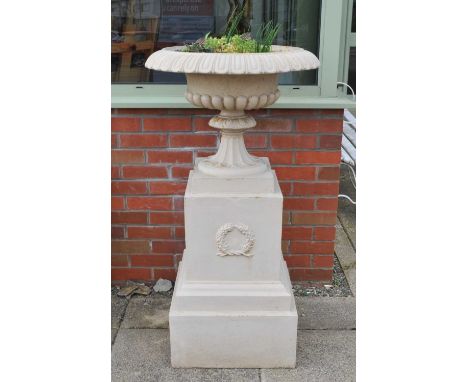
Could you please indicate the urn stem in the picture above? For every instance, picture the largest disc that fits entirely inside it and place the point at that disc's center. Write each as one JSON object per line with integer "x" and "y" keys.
{"x": 232, "y": 158}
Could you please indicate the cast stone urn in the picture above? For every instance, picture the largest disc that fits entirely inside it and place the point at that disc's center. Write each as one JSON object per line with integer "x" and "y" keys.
{"x": 233, "y": 304}
{"x": 232, "y": 83}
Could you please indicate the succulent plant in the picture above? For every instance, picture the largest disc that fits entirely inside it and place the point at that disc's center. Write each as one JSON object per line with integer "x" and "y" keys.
{"x": 232, "y": 42}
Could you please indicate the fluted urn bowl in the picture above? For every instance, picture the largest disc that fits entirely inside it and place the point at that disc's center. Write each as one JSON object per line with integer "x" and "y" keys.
{"x": 232, "y": 83}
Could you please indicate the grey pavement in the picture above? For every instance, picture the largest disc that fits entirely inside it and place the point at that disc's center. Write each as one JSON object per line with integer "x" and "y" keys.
{"x": 325, "y": 352}
{"x": 346, "y": 254}
{"x": 322, "y": 355}
{"x": 151, "y": 312}
{"x": 326, "y": 313}
{"x": 144, "y": 355}
{"x": 119, "y": 305}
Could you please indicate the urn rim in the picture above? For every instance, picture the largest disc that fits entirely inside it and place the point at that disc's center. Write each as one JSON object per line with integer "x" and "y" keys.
{"x": 281, "y": 59}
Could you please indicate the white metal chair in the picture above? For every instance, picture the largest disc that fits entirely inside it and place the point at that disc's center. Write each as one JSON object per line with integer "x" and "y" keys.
{"x": 348, "y": 148}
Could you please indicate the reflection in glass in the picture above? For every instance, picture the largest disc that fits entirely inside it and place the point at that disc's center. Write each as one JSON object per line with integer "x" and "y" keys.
{"x": 352, "y": 69}
{"x": 140, "y": 27}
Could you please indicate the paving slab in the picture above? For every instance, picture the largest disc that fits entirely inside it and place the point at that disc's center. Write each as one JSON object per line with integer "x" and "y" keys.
{"x": 346, "y": 255}
{"x": 113, "y": 335}
{"x": 118, "y": 306}
{"x": 326, "y": 312}
{"x": 322, "y": 356}
{"x": 152, "y": 312}
{"x": 144, "y": 355}
{"x": 351, "y": 277}
{"x": 147, "y": 312}
{"x": 347, "y": 217}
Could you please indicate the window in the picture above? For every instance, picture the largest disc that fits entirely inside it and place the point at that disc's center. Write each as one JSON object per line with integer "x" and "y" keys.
{"x": 140, "y": 27}
{"x": 352, "y": 69}
{"x": 351, "y": 49}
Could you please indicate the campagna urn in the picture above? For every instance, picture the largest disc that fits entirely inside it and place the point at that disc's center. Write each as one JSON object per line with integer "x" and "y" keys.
{"x": 232, "y": 83}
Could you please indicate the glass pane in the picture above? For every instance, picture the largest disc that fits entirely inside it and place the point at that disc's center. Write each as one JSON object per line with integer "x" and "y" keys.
{"x": 140, "y": 27}
{"x": 352, "y": 69}
{"x": 353, "y": 22}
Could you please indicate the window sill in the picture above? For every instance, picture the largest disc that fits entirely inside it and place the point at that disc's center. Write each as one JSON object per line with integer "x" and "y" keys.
{"x": 172, "y": 96}
{"x": 285, "y": 102}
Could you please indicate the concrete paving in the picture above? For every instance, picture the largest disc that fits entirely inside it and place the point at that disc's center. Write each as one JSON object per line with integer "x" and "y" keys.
{"x": 346, "y": 255}
{"x": 150, "y": 312}
{"x": 144, "y": 355}
{"x": 326, "y": 313}
{"x": 326, "y": 343}
{"x": 113, "y": 335}
{"x": 118, "y": 307}
{"x": 347, "y": 217}
{"x": 315, "y": 313}
{"x": 322, "y": 355}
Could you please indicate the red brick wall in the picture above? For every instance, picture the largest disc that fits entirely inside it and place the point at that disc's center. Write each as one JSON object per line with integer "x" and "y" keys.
{"x": 153, "y": 151}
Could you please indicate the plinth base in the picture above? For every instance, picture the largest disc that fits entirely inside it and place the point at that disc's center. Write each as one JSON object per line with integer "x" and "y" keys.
{"x": 233, "y": 305}
{"x": 232, "y": 325}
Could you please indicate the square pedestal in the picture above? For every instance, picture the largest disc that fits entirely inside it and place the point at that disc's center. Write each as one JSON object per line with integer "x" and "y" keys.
{"x": 233, "y": 305}
{"x": 233, "y": 326}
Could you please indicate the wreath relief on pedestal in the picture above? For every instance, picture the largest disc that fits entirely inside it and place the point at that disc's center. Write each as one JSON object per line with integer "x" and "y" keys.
{"x": 223, "y": 247}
